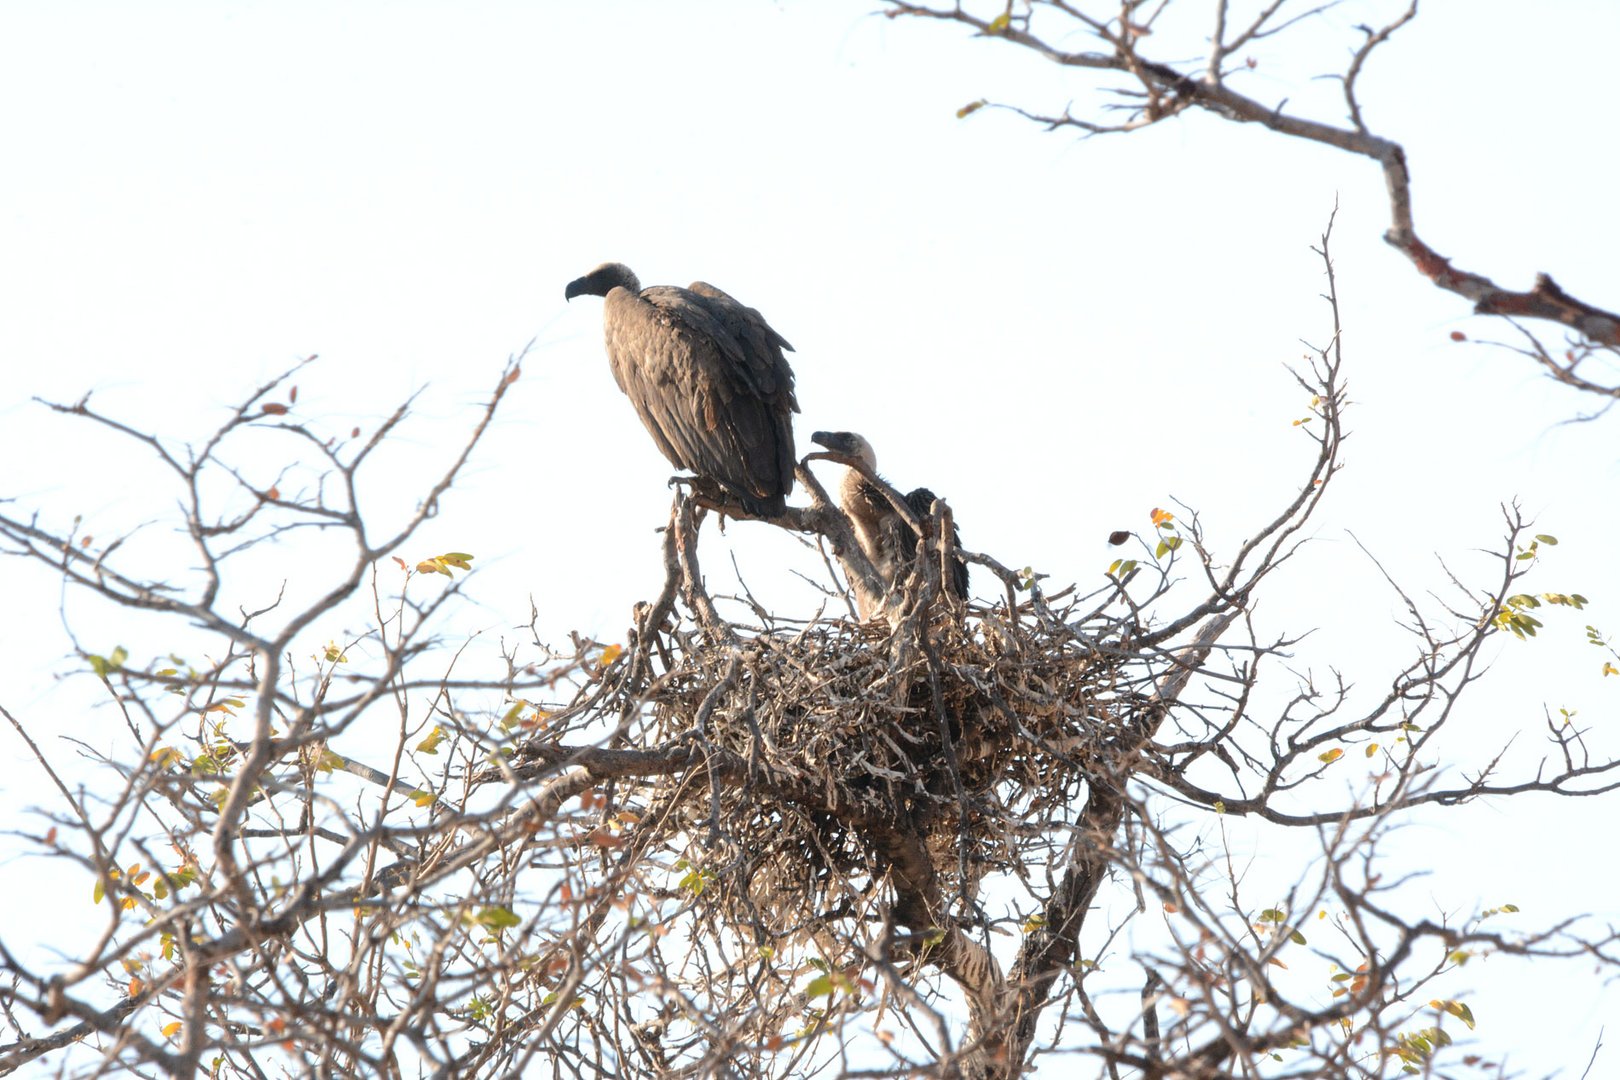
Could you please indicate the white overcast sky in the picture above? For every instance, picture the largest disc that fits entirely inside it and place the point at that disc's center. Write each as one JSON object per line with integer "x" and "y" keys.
{"x": 1058, "y": 335}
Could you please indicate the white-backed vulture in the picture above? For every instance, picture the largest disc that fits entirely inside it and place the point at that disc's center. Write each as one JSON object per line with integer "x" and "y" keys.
{"x": 888, "y": 541}
{"x": 707, "y": 376}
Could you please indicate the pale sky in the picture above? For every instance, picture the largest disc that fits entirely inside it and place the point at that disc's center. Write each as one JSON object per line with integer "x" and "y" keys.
{"x": 1056, "y": 334}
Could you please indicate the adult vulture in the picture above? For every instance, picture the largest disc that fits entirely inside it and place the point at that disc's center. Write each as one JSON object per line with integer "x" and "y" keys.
{"x": 889, "y": 542}
{"x": 707, "y": 376}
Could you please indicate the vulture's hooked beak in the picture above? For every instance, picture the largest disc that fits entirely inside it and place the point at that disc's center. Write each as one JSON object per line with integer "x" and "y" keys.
{"x": 839, "y": 442}
{"x": 575, "y": 288}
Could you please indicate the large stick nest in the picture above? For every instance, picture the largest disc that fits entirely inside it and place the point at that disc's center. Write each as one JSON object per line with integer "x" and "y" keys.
{"x": 823, "y": 750}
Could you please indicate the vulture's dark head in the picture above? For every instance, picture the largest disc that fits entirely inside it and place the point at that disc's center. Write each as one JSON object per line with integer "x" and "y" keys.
{"x": 603, "y": 280}
{"x": 849, "y": 444}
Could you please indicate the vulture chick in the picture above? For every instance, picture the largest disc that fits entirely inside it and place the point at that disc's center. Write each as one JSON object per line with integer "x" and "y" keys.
{"x": 707, "y": 376}
{"x": 889, "y": 542}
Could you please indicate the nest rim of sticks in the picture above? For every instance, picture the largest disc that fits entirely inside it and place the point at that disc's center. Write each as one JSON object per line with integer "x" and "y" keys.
{"x": 839, "y": 765}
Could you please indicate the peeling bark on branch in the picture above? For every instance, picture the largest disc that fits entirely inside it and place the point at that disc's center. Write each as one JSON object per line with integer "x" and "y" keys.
{"x": 1167, "y": 92}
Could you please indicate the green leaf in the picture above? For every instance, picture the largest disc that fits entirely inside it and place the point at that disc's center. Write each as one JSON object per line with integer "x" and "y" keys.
{"x": 497, "y": 918}
{"x": 1457, "y": 1009}
{"x": 999, "y": 23}
{"x": 1550, "y": 541}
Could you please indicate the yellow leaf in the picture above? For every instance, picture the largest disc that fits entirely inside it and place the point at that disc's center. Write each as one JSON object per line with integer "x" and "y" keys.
{"x": 423, "y": 798}
{"x": 610, "y": 654}
{"x": 171, "y": 1030}
{"x": 165, "y": 756}
{"x": 1457, "y": 1009}
{"x": 1330, "y": 756}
